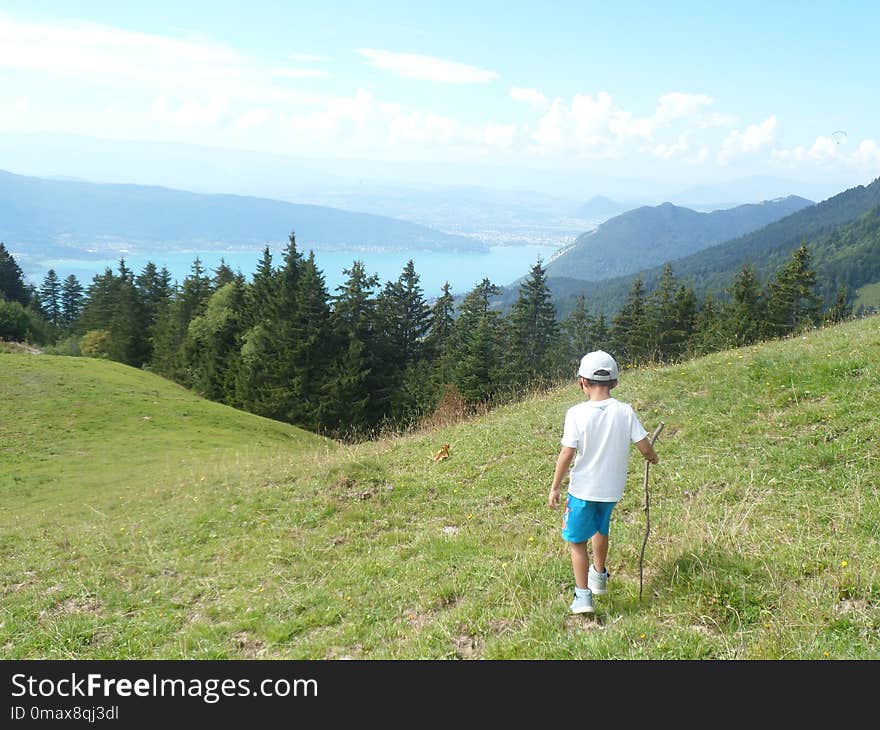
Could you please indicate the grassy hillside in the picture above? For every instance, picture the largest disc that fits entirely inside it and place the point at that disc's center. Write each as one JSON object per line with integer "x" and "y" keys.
{"x": 764, "y": 510}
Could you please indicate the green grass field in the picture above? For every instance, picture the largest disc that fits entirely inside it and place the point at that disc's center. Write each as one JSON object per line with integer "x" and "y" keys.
{"x": 138, "y": 521}
{"x": 867, "y": 296}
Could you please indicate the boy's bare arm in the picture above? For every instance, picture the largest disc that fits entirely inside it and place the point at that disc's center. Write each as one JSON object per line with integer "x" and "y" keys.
{"x": 563, "y": 462}
{"x": 647, "y": 450}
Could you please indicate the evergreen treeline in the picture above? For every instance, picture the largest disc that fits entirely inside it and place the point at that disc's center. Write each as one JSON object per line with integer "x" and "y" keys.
{"x": 371, "y": 356}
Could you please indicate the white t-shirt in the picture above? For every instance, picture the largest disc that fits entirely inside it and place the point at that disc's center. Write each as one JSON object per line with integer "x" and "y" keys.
{"x": 602, "y": 432}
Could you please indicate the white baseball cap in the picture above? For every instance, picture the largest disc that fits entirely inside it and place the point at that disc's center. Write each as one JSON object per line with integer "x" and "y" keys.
{"x": 598, "y": 365}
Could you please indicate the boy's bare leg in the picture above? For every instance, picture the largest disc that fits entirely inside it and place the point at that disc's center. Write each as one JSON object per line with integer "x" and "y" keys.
{"x": 600, "y": 551}
{"x": 580, "y": 563}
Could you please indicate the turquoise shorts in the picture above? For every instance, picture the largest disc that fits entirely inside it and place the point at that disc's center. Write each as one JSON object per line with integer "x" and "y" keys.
{"x": 582, "y": 519}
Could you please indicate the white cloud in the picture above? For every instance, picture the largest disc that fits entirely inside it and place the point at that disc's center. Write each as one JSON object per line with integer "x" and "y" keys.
{"x": 426, "y": 68}
{"x": 189, "y": 112}
{"x": 63, "y": 75}
{"x": 824, "y": 148}
{"x": 595, "y": 126}
{"x": 827, "y": 151}
{"x": 253, "y": 118}
{"x": 102, "y": 52}
{"x": 593, "y": 118}
{"x": 424, "y": 128}
{"x": 672, "y": 151}
{"x": 867, "y": 154}
{"x": 583, "y": 124}
{"x": 754, "y": 138}
{"x": 716, "y": 119}
{"x": 677, "y": 105}
{"x": 345, "y": 114}
{"x": 500, "y": 135}
{"x": 99, "y": 57}
{"x": 532, "y": 97}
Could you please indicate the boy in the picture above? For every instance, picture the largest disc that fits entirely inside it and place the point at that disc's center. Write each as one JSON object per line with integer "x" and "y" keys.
{"x": 598, "y": 432}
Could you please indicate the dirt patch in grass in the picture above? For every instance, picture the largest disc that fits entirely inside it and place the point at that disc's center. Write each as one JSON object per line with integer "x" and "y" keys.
{"x": 419, "y": 619}
{"x": 583, "y": 622}
{"x": 505, "y": 626}
{"x": 71, "y": 606}
{"x": 248, "y": 645}
{"x": 466, "y": 644}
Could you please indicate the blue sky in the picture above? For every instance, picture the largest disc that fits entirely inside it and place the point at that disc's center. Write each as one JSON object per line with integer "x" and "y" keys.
{"x": 681, "y": 91}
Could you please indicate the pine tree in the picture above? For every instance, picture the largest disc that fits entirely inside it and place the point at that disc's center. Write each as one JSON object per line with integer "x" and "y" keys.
{"x": 841, "y": 309}
{"x": 745, "y": 316}
{"x": 601, "y": 333}
{"x": 168, "y": 334}
{"x": 479, "y": 372}
{"x": 269, "y": 384}
{"x": 479, "y": 340}
{"x": 405, "y": 320}
{"x": 793, "y": 301}
{"x": 315, "y": 347}
{"x": 708, "y": 335}
{"x": 662, "y": 336}
{"x": 357, "y": 394}
{"x": 12, "y": 285}
{"x": 188, "y": 301}
{"x": 476, "y": 303}
{"x": 222, "y": 275}
{"x": 194, "y": 293}
{"x": 288, "y": 280}
{"x": 407, "y": 316}
{"x": 629, "y": 327}
{"x": 71, "y": 301}
{"x": 438, "y": 343}
{"x": 99, "y": 302}
{"x": 261, "y": 290}
{"x": 50, "y": 296}
{"x": 212, "y": 347}
{"x": 128, "y": 324}
{"x": 534, "y": 331}
{"x": 684, "y": 319}
{"x": 578, "y": 329}
{"x": 155, "y": 290}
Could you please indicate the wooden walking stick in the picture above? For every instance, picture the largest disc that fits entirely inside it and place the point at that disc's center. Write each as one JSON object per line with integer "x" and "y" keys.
{"x": 647, "y": 511}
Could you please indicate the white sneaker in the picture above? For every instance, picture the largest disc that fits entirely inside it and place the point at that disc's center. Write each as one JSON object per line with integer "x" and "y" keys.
{"x": 583, "y": 603}
{"x": 597, "y": 581}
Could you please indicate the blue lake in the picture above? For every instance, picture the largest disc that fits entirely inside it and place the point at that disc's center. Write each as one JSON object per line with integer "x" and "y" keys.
{"x": 502, "y": 265}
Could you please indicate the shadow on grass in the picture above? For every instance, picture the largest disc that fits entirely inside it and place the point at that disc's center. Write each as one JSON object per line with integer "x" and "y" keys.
{"x": 730, "y": 589}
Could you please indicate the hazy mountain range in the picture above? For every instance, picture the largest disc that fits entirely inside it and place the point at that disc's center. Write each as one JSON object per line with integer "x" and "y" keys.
{"x": 58, "y": 217}
{"x": 282, "y": 177}
{"x": 601, "y": 207}
{"x": 651, "y": 235}
{"x": 841, "y": 232}
{"x": 492, "y": 204}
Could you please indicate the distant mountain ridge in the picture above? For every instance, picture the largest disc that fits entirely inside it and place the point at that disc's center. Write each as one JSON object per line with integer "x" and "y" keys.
{"x": 843, "y": 232}
{"x": 602, "y": 207}
{"x": 651, "y": 235}
{"x": 751, "y": 189}
{"x": 55, "y": 217}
